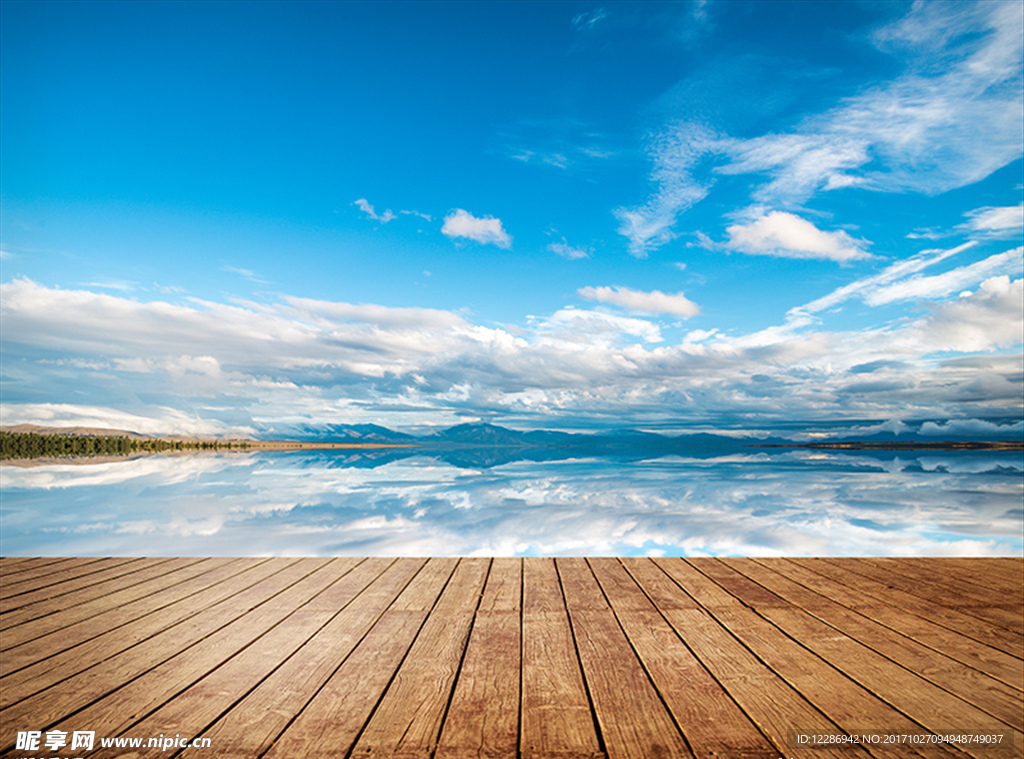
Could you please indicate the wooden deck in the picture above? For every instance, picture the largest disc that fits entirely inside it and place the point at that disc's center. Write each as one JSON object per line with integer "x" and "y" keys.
{"x": 559, "y": 658}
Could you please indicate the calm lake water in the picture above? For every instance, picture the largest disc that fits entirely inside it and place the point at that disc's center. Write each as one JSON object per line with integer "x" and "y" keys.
{"x": 315, "y": 503}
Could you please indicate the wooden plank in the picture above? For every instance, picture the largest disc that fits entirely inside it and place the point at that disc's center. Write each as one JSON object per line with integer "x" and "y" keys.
{"x": 42, "y": 602}
{"x": 984, "y": 632}
{"x": 924, "y": 702}
{"x": 1004, "y": 574}
{"x": 985, "y": 658}
{"x": 990, "y": 589}
{"x": 285, "y": 658}
{"x": 504, "y": 588}
{"x": 579, "y": 586}
{"x": 182, "y": 654}
{"x": 252, "y": 725}
{"x": 1011, "y": 565}
{"x": 423, "y": 593}
{"x": 937, "y": 594}
{"x": 993, "y": 696}
{"x": 483, "y": 718}
{"x": 330, "y": 723}
{"x": 633, "y": 720}
{"x": 112, "y": 608}
{"x": 136, "y": 686}
{"x": 710, "y": 720}
{"x": 47, "y": 670}
{"x": 845, "y": 703}
{"x": 35, "y": 569}
{"x": 408, "y": 719}
{"x": 279, "y": 650}
{"x": 73, "y": 583}
{"x": 10, "y": 562}
{"x": 948, "y": 591}
{"x": 555, "y": 710}
{"x": 86, "y": 627}
{"x": 16, "y": 594}
{"x": 146, "y": 570}
{"x": 771, "y": 702}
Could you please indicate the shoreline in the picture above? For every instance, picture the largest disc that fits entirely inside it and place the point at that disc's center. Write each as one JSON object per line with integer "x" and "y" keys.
{"x": 945, "y": 445}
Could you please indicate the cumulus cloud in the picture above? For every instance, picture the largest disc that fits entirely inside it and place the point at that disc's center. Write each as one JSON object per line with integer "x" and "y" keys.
{"x": 366, "y": 208}
{"x": 593, "y": 329}
{"x": 784, "y": 234}
{"x": 282, "y": 364}
{"x": 963, "y": 428}
{"x": 991, "y": 318}
{"x": 486, "y": 231}
{"x": 654, "y": 302}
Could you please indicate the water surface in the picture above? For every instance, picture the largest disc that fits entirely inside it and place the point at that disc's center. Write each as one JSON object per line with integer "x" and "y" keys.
{"x": 329, "y": 503}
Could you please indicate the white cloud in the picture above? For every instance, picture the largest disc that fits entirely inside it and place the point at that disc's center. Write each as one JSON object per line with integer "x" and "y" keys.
{"x": 565, "y": 250}
{"x": 801, "y": 163}
{"x": 589, "y": 19}
{"x": 594, "y": 328}
{"x": 247, "y": 273}
{"x": 991, "y": 318}
{"x": 486, "y": 231}
{"x": 997, "y": 219}
{"x": 676, "y": 154}
{"x": 892, "y": 274}
{"x": 947, "y": 283}
{"x": 950, "y": 119}
{"x": 783, "y": 234}
{"x": 655, "y": 302}
{"x": 901, "y": 281}
{"x": 162, "y": 367}
{"x": 162, "y": 421}
{"x": 331, "y": 313}
{"x": 111, "y": 284}
{"x": 960, "y": 428}
{"x": 366, "y": 208}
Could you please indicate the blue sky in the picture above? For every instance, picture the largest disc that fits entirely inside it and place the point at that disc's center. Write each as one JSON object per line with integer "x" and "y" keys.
{"x": 249, "y": 217}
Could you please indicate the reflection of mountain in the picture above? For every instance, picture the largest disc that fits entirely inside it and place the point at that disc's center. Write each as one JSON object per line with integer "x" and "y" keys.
{"x": 366, "y": 458}
{"x": 487, "y": 445}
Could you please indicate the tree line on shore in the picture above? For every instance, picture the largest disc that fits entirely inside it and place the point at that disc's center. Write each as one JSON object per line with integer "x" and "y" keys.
{"x": 30, "y": 445}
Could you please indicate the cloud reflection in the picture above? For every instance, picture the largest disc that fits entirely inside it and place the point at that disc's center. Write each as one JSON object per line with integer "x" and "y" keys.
{"x": 796, "y": 502}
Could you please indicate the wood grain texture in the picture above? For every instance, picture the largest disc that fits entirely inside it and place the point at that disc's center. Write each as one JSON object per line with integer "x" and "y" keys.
{"x": 878, "y": 589}
{"x": 556, "y": 714}
{"x": 536, "y": 658}
{"x": 964, "y": 649}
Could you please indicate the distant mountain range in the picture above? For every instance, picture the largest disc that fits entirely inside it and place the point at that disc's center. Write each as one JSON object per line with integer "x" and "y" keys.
{"x": 486, "y": 445}
{"x": 351, "y": 433}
